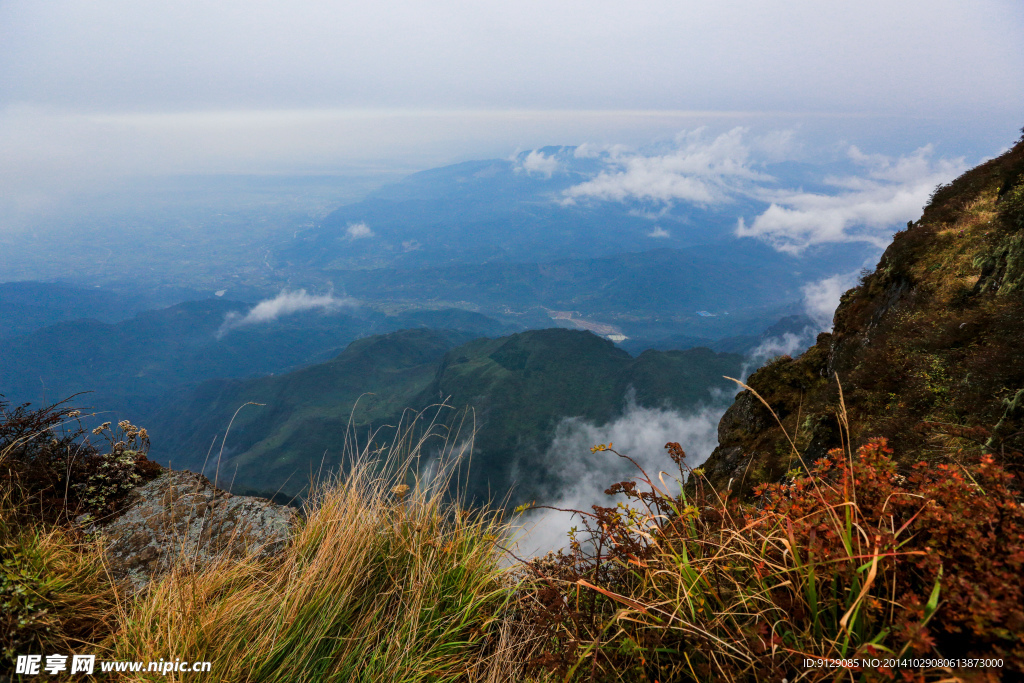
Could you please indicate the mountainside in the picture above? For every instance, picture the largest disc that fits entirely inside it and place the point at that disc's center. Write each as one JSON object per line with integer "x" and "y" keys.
{"x": 28, "y": 306}
{"x": 305, "y": 412}
{"x": 928, "y": 348}
{"x": 519, "y": 387}
{"x": 522, "y": 386}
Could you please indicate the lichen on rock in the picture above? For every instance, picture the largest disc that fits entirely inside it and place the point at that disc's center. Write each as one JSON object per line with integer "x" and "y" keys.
{"x": 180, "y": 517}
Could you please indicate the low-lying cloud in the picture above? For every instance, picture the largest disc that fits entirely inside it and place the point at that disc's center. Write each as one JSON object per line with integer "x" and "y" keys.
{"x": 640, "y": 433}
{"x": 356, "y": 231}
{"x": 821, "y": 298}
{"x": 697, "y": 170}
{"x": 786, "y": 344}
{"x": 659, "y": 233}
{"x": 865, "y": 208}
{"x": 538, "y": 162}
{"x": 285, "y": 303}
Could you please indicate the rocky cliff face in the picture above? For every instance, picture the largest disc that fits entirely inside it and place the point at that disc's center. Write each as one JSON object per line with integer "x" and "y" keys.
{"x": 928, "y": 349}
{"x": 180, "y": 517}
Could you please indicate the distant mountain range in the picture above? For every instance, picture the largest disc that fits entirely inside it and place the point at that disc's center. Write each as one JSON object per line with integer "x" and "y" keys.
{"x": 651, "y": 294}
{"x": 28, "y": 306}
{"x": 176, "y": 372}
{"x": 131, "y": 367}
{"x": 501, "y": 237}
{"x": 502, "y": 210}
{"x": 459, "y": 257}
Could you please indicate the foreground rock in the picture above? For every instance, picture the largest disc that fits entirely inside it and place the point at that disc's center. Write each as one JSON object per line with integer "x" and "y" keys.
{"x": 182, "y": 517}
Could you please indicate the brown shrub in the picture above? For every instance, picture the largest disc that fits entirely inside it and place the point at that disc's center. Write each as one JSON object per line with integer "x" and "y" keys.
{"x": 847, "y": 560}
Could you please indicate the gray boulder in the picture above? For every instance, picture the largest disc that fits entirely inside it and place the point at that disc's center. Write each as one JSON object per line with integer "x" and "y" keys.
{"x": 180, "y": 517}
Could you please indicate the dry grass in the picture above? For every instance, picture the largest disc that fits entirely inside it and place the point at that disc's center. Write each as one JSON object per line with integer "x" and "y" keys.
{"x": 386, "y": 579}
{"x": 54, "y": 593}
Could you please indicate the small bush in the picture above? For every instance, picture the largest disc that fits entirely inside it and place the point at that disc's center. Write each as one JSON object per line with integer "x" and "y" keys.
{"x": 1011, "y": 207}
{"x": 53, "y": 471}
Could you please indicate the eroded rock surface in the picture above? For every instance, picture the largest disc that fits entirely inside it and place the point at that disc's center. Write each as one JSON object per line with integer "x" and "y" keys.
{"x": 181, "y": 517}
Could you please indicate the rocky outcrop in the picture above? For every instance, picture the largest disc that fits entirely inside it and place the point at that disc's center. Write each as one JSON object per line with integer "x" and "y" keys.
{"x": 927, "y": 348}
{"x": 180, "y": 517}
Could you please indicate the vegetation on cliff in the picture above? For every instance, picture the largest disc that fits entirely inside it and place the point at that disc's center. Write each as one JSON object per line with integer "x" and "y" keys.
{"x": 927, "y": 346}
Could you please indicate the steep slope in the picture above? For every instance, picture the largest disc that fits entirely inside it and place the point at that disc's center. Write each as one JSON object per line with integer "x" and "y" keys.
{"x": 929, "y": 348}
{"x": 519, "y": 388}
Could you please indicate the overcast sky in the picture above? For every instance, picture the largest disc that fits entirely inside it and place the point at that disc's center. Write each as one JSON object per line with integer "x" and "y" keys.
{"x": 91, "y": 90}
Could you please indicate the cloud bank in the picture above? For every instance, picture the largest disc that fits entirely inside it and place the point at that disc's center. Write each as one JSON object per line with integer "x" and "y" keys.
{"x": 285, "y": 303}
{"x": 866, "y": 208}
{"x": 697, "y": 171}
{"x": 640, "y": 433}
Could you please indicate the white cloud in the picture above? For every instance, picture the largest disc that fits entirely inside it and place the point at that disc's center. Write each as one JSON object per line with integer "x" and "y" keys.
{"x": 822, "y": 298}
{"x": 356, "y": 231}
{"x": 283, "y": 304}
{"x": 659, "y": 232}
{"x": 697, "y": 171}
{"x": 640, "y": 433}
{"x": 789, "y": 344}
{"x": 587, "y": 150}
{"x": 867, "y": 207}
{"x": 538, "y": 162}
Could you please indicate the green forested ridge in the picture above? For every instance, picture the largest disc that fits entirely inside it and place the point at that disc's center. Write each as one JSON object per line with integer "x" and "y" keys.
{"x": 519, "y": 388}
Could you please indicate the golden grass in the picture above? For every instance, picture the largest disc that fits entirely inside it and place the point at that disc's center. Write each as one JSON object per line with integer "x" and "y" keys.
{"x": 379, "y": 583}
{"x": 54, "y": 594}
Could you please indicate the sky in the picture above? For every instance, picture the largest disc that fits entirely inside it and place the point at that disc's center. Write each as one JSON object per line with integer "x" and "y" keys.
{"x": 92, "y": 92}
